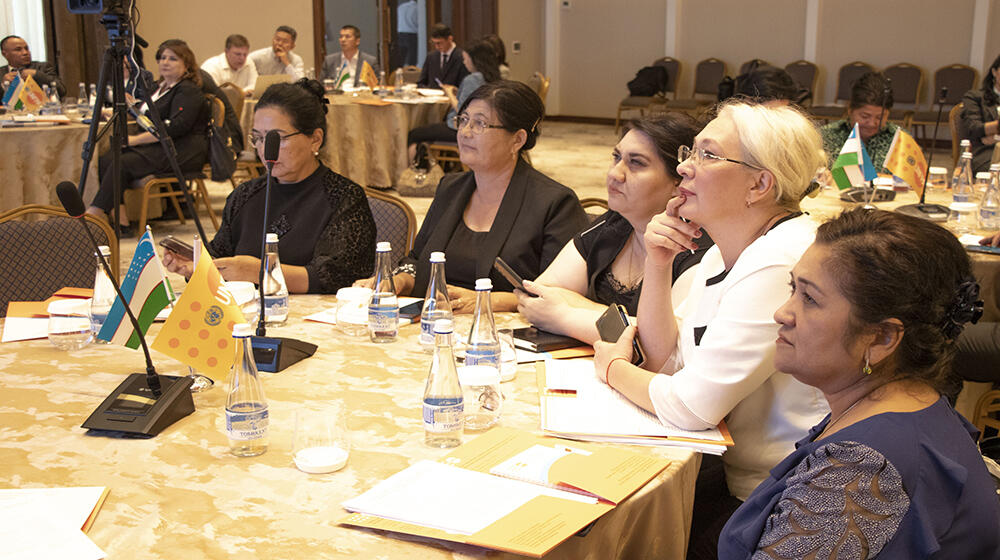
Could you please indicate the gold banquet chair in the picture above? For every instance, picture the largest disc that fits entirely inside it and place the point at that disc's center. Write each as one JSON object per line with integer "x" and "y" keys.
{"x": 45, "y": 250}
{"x": 594, "y": 206}
{"x": 395, "y": 222}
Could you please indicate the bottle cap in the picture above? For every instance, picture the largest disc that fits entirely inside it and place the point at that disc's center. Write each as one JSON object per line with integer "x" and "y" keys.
{"x": 484, "y": 284}
{"x": 242, "y": 330}
{"x": 443, "y": 326}
{"x": 965, "y": 142}
{"x": 383, "y": 247}
{"x": 941, "y": 170}
{"x": 437, "y": 256}
{"x": 985, "y": 175}
{"x": 272, "y": 238}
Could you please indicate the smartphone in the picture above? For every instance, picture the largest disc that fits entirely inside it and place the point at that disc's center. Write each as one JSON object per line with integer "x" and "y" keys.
{"x": 611, "y": 325}
{"x": 508, "y": 273}
{"x": 988, "y": 249}
{"x": 412, "y": 311}
{"x": 178, "y": 246}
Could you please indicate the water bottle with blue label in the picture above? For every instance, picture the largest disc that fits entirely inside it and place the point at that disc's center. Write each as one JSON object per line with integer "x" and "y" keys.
{"x": 443, "y": 406}
{"x": 246, "y": 406}
{"x": 961, "y": 190}
{"x": 383, "y": 307}
{"x": 436, "y": 302}
{"x": 483, "y": 347}
{"x": 275, "y": 288}
{"x": 989, "y": 206}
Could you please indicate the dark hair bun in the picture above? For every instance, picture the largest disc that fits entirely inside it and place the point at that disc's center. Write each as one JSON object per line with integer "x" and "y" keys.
{"x": 316, "y": 89}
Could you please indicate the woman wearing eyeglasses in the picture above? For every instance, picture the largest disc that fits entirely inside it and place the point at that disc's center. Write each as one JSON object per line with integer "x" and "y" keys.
{"x": 325, "y": 228}
{"x": 604, "y": 263}
{"x": 501, "y": 207}
{"x": 712, "y": 358}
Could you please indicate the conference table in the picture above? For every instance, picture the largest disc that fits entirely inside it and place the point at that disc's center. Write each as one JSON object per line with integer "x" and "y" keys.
{"x": 366, "y": 136}
{"x": 183, "y": 495}
{"x": 985, "y": 267}
{"x": 37, "y": 158}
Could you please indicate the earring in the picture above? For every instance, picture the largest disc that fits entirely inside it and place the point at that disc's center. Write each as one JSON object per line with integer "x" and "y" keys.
{"x": 867, "y": 370}
{"x": 315, "y": 154}
{"x": 748, "y": 204}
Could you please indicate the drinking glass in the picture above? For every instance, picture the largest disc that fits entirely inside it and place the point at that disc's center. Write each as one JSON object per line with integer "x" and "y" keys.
{"x": 69, "y": 324}
{"x": 321, "y": 442}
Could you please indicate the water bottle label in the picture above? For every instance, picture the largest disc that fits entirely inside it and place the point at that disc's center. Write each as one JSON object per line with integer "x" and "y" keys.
{"x": 427, "y": 332}
{"x": 483, "y": 357}
{"x": 443, "y": 419}
{"x": 383, "y": 320}
{"x": 959, "y": 197}
{"x": 246, "y": 426}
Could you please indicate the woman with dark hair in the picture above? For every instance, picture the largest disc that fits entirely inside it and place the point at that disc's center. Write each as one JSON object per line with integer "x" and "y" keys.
{"x": 769, "y": 85}
{"x": 326, "y": 233}
{"x": 604, "y": 263}
{"x": 893, "y": 471}
{"x": 978, "y": 120}
{"x": 501, "y": 207}
{"x": 501, "y": 51}
{"x": 871, "y": 100}
{"x": 481, "y": 61}
{"x": 179, "y": 101}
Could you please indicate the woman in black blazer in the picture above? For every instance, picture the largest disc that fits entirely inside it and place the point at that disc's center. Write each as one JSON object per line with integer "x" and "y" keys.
{"x": 183, "y": 107}
{"x": 978, "y": 120}
{"x": 502, "y": 206}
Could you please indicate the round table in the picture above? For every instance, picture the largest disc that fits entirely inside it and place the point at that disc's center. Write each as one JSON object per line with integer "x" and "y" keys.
{"x": 37, "y": 158}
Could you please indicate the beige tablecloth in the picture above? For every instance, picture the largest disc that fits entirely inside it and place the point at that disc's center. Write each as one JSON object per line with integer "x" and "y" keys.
{"x": 366, "y": 143}
{"x": 183, "y": 495}
{"x": 985, "y": 267}
{"x": 36, "y": 159}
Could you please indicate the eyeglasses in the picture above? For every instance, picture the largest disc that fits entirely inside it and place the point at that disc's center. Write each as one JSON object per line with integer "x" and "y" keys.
{"x": 256, "y": 138}
{"x": 700, "y": 155}
{"x": 478, "y": 126}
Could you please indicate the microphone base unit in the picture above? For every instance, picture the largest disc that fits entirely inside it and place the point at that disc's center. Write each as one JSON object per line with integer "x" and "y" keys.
{"x": 932, "y": 212}
{"x": 132, "y": 411}
{"x": 862, "y": 194}
{"x": 274, "y": 354}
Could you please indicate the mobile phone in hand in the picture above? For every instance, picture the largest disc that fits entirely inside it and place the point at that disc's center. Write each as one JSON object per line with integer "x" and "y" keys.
{"x": 177, "y": 246}
{"x": 508, "y": 273}
{"x": 612, "y": 324}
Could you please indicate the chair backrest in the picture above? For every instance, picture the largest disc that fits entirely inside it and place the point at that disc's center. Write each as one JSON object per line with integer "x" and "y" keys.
{"x": 235, "y": 95}
{"x": 540, "y": 83}
{"x": 804, "y": 73}
{"x": 953, "y": 117}
{"x": 958, "y": 78}
{"x": 410, "y": 74}
{"x": 45, "y": 250}
{"x": 594, "y": 206}
{"x": 985, "y": 416}
{"x": 907, "y": 82}
{"x": 752, "y": 63}
{"x": 673, "y": 68}
{"x": 395, "y": 222}
{"x": 218, "y": 110}
{"x": 707, "y": 76}
{"x": 848, "y": 74}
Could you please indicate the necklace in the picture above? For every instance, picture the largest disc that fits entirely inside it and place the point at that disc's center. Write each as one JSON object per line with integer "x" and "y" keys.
{"x": 839, "y": 417}
{"x": 634, "y": 277}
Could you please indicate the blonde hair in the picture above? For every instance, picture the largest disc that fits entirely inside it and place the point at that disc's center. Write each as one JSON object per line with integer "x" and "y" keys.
{"x": 782, "y": 141}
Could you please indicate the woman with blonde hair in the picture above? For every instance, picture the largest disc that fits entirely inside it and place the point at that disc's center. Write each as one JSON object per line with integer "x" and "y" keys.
{"x": 712, "y": 358}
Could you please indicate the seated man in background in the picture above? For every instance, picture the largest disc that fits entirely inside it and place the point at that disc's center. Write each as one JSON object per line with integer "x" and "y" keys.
{"x": 279, "y": 58}
{"x": 871, "y": 101}
{"x": 18, "y": 55}
{"x": 231, "y": 65}
{"x": 444, "y": 64}
{"x": 345, "y": 67}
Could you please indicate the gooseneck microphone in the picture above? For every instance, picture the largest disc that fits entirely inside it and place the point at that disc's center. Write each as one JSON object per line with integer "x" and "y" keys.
{"x": 273, "y": 354}
{"x": 932, "y": 212}
{"x": 139, "y": 406}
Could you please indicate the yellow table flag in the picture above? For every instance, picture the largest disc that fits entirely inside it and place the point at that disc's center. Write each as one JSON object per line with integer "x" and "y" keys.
{"x": 368, "y": 75}
{"x": 199, "y": 331}
{"x": 32, "y": 96}
{"x": 906, "y": 161}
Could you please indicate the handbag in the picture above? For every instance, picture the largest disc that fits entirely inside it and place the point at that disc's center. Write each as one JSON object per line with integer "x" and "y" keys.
{"x": 221, "y": 156}
{"x": 417, "y": 182}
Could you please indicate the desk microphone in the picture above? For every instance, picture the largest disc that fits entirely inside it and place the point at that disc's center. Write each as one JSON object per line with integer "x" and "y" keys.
{"x": 273, "y": 354}
{"x": 139, "y": 406}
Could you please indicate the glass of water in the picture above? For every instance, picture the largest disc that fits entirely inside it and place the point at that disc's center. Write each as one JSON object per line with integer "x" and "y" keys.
{"x": 69, "y": 324}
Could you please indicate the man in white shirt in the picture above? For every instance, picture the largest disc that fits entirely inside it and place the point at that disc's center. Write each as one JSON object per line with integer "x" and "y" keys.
{"x": 231, "y": 65}
{"x": 344, "y": 68}
{"x": 279, "y": 58}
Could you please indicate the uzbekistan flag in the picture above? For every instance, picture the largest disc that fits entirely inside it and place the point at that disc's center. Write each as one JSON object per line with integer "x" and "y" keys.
{"x": 12, "y": 95}
{"x": 146, "y": 293}
{"x": 906, "y": 161}
{"x": 853, "y": 167}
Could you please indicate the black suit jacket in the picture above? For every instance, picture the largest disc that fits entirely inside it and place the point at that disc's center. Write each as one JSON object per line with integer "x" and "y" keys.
{"x": 185, "y": 112}
{"x": 975, "y": 114}
{"x": 537, "y": 216}
{"x": 452, "y": 73}
{"x": 45, "y": 74}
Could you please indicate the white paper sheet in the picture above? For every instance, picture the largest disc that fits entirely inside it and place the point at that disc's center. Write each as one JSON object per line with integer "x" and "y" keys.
{"x": 24, "y": 328}
{"x": 46, "y": 522}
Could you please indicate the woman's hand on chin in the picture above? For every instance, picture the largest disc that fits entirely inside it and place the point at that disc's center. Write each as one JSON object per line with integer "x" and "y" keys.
{"x": 239, "y": 268}
{"x": 667, "y": 235}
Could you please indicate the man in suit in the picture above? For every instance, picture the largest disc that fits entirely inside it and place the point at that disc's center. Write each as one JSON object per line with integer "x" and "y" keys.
{"x": 445, "y": 63}
{"x": 18, "y": 55}
{"x": 344, "y": 67}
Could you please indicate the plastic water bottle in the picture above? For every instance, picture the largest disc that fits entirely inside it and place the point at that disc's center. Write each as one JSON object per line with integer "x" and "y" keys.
{"x": 246, "y": 407}
{"x": 961, "y": 190}
{"x": 92, "y": 99}
{"x": 436, "y": 302}
{"x": 81, "y": 99}
{"x": 443, "y": 405}
{"x": 483, "y": 344}
{"x": 383, "y": 307}
{"x": 104, "y": 296}
{"x": 275, "y": 288}
{"x": 989, "y": 206}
